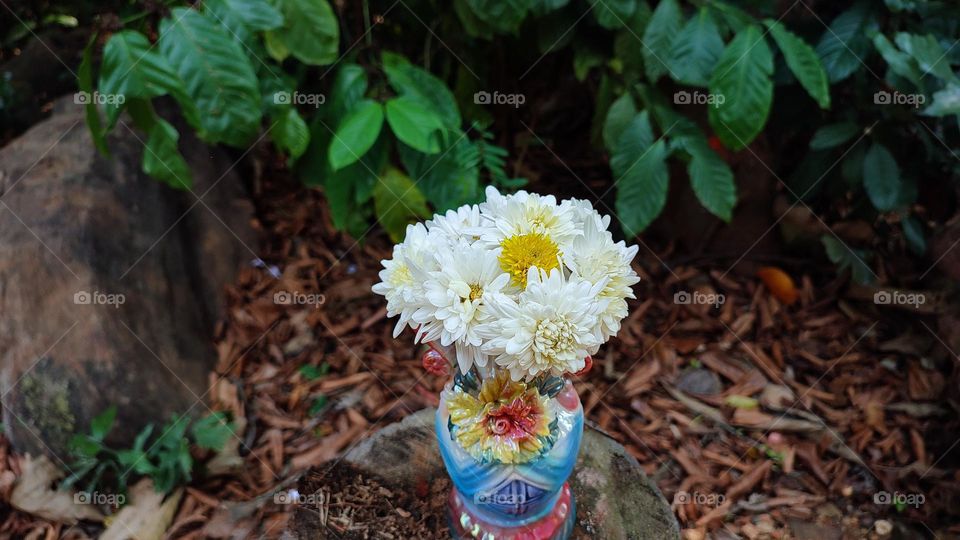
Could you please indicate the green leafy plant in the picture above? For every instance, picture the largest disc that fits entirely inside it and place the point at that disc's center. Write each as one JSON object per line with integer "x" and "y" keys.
{"x": 674, "y": 82}
{"x": 225, "y": 64}
{"x": 408, "y": 112}
{"x": 163, "y": 455}
{"x": 894, "y": 60}
{"x": 738, "y": 79}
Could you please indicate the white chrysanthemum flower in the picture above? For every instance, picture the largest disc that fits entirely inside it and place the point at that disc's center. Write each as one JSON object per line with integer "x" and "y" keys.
{"x": 526, "y": 213}
{"x": 530, "y": 229}
{"x": 582, "y": 212}
{"x": 458, "y": 298}
{"x": 550, "y": 328}
{"x": 596, "y": 258}
{"x": 457, "y": 226}
{"x": 403, "y": 276}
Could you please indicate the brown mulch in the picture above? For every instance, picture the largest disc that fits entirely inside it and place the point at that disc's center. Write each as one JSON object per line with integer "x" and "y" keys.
{"x": 758, "y": 420}
{"x": 353, "y": 505}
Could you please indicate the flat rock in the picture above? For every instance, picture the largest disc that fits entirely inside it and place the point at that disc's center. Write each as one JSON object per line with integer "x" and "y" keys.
{"x": 615, "y": 499}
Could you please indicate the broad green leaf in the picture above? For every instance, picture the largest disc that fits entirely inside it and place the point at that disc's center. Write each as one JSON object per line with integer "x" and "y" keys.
{"x": 275, "y": 47}
{"x": 731, "y": 16}
{"x": 851, "y": 169}
{"x": 695, "y": 50}
{"x": 243, "y": 17}
{"x": 503, "y": 15}
{"x": 742, "y": 78}
{"x": 642, "y": 192}
{"x": 474, "y": 25}
{"x": 619, "y": 115}
{"x": 212, "y": 431}
{"x": 881, "y": 178}
{"x": 613, "y": 14}
{"x": 356, "y": 134}
{"x": 140, "y": 441}
{"x": 658, "y": 38}
{"x": 845, "y": 257}
{"x": 448, "y": 179}
{"x": 585, "y": 58}
{"x": 398, "y": 203}
{"x": 904, "y": 5}
{"x": 803, "y": 62}
{"x": 290, "y": 133}
{"x": 542, "y": 7}
{"x": 85, "y": 84}
{"x": 898, "y": 62}
{"x": 310, "y": 31}
{"x": 317, "y": 406}
{"x": 945, "y": 102}
{"x": 627, "y": 44}
{"x": 418, "y": 84}
{"x": 132, "y": 68}
{"x": 311, "y": 372}
{"x": 217, "y": 75}
{"x": 349, "y": 189}
{"x": 85, "y": 446}
{"x": 634, "y": 141}
{"x": 913, "y": 233}
{"x": 347, "y": 90}
{"x": 553, "y": 30}
{"x": 135, "y": 461}
{"x": 930, "y": 56}
{"x": 844, "y": 46}
{"x": 711, "y": 179}
{"x": 415, "y": 125}
{"x": 806, "y": 180}
{"x": 162, "y": 159}
{"x": 833, "y": 135}
{"x": 101, "y": 424}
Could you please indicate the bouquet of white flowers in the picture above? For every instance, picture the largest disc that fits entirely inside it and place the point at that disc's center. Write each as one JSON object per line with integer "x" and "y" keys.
{"x": 518, "y": 282}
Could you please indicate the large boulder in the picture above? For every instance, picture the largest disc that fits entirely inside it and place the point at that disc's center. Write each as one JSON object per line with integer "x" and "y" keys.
{"x": 614, "y": 498}
{"x": 110, "y": 282}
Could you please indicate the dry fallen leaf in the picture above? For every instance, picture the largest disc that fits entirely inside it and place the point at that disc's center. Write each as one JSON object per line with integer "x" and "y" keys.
{"x": 146, "y": 517}
{"x": 33, "y": 494}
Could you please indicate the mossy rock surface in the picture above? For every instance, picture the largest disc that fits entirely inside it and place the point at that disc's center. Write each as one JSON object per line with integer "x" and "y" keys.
{"x": 615, "y": 499}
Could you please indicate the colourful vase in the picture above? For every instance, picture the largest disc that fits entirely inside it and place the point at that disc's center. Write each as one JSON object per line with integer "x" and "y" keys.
{"x": 509, "y": 448}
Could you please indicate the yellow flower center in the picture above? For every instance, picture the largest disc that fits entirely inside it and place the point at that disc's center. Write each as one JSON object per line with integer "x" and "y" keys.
{"x": 476, "y": 291}
{"x": 522, "y": 251}
{"x": 401, "y": 275}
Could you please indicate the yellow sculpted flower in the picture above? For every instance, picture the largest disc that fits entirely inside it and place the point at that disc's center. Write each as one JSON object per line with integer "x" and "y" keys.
{"x": 506, "y": 422}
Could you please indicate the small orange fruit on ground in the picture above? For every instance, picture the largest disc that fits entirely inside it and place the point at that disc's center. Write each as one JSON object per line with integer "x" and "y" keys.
{"x": 779, "y": 283}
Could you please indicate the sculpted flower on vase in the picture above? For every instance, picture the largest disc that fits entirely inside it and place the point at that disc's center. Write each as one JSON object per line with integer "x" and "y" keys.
{"x": 506, "y": 422}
